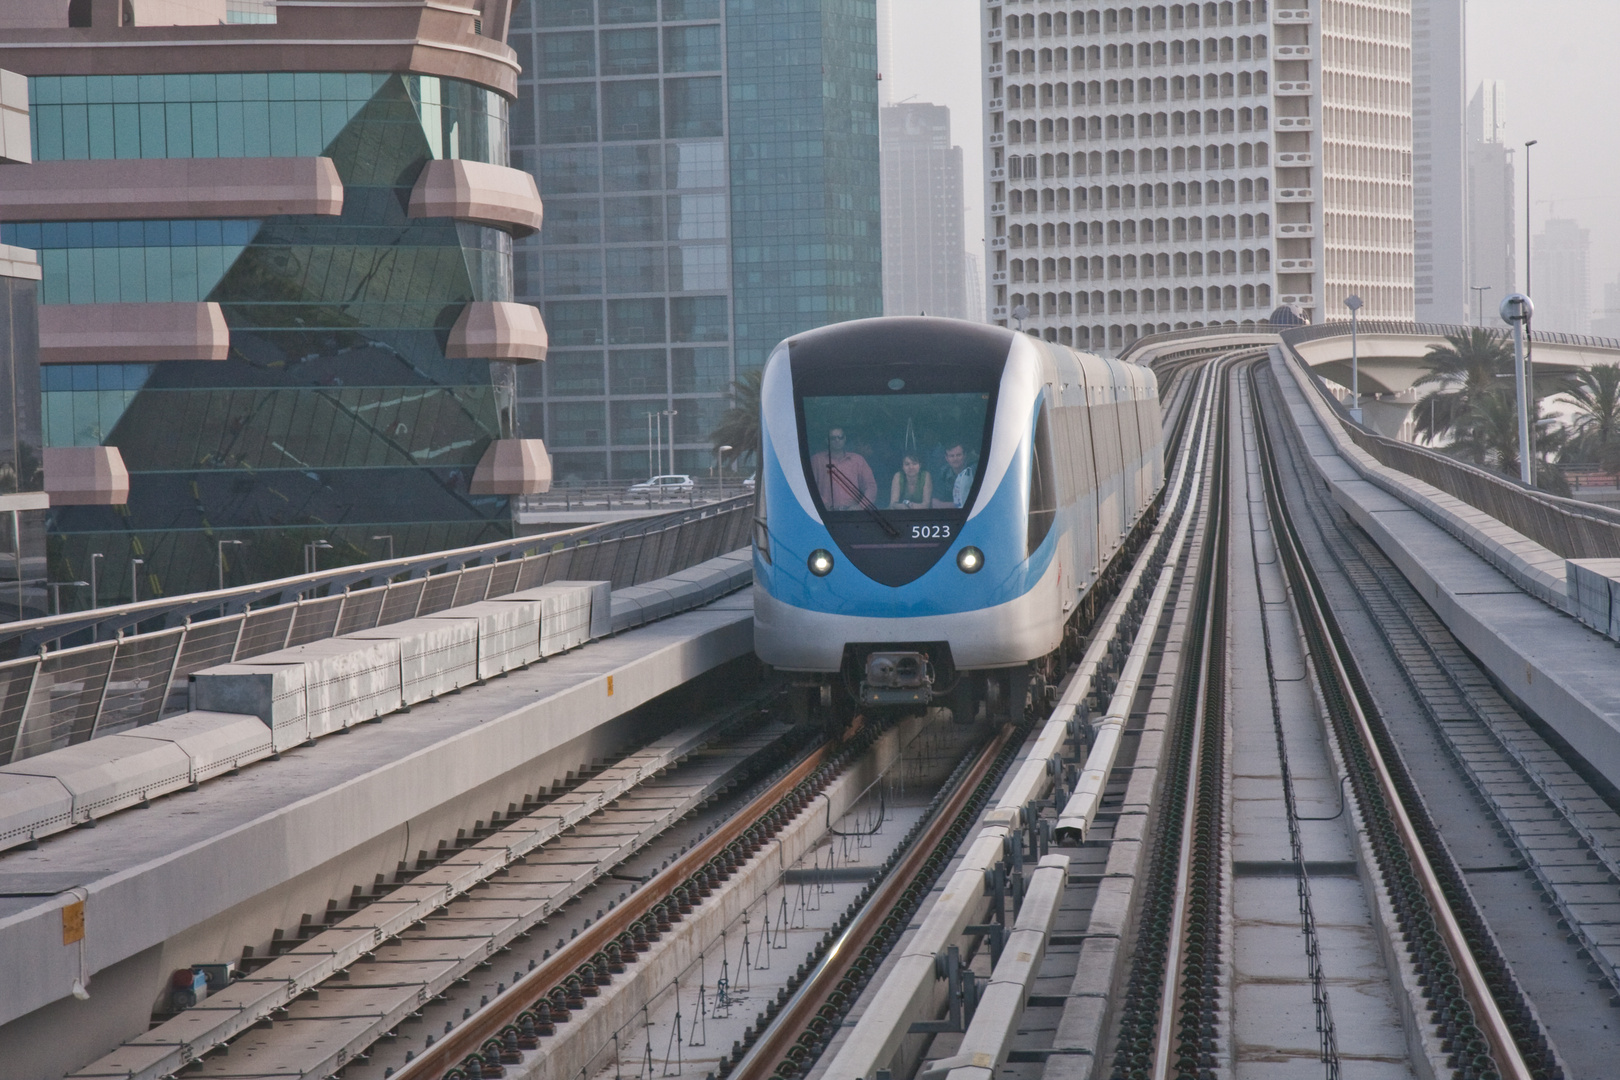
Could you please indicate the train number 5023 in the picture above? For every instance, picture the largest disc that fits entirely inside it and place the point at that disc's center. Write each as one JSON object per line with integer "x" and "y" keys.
{"x": 930, "y": 532}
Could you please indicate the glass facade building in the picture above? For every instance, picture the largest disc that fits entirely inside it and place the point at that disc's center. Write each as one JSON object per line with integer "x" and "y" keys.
{"x": 338, "y": 415}
{"x": 711, "y": 179}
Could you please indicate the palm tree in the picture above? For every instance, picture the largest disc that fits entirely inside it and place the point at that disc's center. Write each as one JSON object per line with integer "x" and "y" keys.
{"x": 1488, "y": 435}
{"x": 1462, "y": 373}
{"x": 1595, "y": 393}
{"x": 739, "y": 424}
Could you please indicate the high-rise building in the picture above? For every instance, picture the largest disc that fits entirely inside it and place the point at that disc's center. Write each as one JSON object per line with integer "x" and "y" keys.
{"x": 277, "y": 283}
{"x": 23, "y": 501}
{"x": 1439, "y": 163}
{"x": 924, "y": 268}
{"x": 975, "y": 286}
{"x": 1607, "y": 321}
{"x": 712, "y": 185}
{"x": 1183, "y": 165}
{"x": 1492, "y": 253}
{"x": 1560, "y": 258}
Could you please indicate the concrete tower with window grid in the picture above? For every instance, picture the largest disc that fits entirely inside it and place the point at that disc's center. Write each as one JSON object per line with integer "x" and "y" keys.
{"x": 711, "y": 176}
{"x": 1186, "y": 165}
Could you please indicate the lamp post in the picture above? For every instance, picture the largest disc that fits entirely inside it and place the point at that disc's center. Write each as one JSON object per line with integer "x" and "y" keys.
{"x": 134, "y": 580}
{"x": 1529, "y": 344}
{"x": 1516, "y": 310}
{"x": 390, "y": 538}
{"x": 222, "y": 545}
{"x": 93, "y": 557}
{"x": 672, "y": 414}
{"x": 1479, "y": 301}
{"x": 653, "y": 456}
{"x": 311, "y": 559}
{"x": 56, "y": 592}
{"x": 720, "y": 455}
{"x": 1354, "y": 304}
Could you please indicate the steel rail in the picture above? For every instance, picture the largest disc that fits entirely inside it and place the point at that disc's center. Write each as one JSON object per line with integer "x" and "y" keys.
{"x": 1218, "y": 466}
{"x": 1328, "y": 652}
{"x": 762, "y": 1059}
{"x": 505, "y": 1009}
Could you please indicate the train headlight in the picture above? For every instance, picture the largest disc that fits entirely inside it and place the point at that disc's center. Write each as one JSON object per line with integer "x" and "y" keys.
{"x": 969, "y": 560}
{"x": 820, "y": 562}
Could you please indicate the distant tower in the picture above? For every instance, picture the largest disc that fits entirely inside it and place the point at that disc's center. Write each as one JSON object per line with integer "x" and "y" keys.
{"x": 923, "y": 255}
{"x": 1562, "y": 255}
{"x": 1439, "y": 163}
{"x": 1492, "y": 258}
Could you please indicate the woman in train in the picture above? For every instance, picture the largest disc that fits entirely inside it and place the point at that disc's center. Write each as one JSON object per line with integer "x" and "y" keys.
{"x": 911, "y": 488}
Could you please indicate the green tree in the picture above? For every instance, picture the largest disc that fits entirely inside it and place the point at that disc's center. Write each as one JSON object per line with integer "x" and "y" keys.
{"x": 739, "y": 424}
{"x": 1595, "y": 393}
{"x": 1488, "y": 435}
{"x": 1462, "y": 373}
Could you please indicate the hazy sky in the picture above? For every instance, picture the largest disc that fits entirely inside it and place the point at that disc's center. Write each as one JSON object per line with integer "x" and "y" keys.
{"x": 1556, "y": 56}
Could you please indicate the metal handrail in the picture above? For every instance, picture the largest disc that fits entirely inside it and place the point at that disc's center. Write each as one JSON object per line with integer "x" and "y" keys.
{"x": 31, "y": 634}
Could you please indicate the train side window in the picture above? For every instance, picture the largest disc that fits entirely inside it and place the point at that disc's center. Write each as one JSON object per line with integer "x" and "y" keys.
{"x": 1042, "y": 483}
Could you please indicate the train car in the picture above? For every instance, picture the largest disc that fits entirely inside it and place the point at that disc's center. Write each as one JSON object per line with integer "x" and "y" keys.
{"x": 935, "y": 498}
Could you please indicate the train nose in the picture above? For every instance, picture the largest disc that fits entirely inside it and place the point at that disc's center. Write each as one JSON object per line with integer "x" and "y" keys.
{"x": 897, "y": 678}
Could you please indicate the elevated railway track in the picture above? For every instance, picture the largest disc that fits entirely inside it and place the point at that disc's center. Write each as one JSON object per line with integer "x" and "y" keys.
{"x": 1272, "y": 813}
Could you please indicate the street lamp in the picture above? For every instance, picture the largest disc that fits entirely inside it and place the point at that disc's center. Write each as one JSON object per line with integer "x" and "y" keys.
{"x": 1019, "y": 314}
{"x": 93, "y": 557}
{"x": 222, "y": 545}
{"x": 1529, "y": 344}
{"x": 1479, "y": 302}
{"x": 311, "y": 559}
{"x": 672, "y": 414}
{"x": 720, "y": 453}
{"x": 390, "y": 538}
{"x": 1516, "y": 311}
{"x": 134, "y": 580}
{"x": 56, "y": 592}
{"x": 1354, "y": 304}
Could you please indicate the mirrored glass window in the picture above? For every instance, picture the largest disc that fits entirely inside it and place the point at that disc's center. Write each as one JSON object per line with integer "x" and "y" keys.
{"x": 572, "y": 221}
{"x": 562, "y": 12}
{"x": 567, "y": 56}
{"x": 574, "y": 374}
{"x": 632, "y": 168}
{"x": 698, "y": 268}
{"x": 564, "y": 172}
{"x": 692, "y": 48}
{"x": 635, "y": 322}
{"x": 678, "y": 10}
{"x": 567, "y": 113}
{"x": 630, "y": 52}
{"x": 637, "y": 371}
{"x": 634, "y": 219}
{"x": 629, "y": 11}
{"x": 577, "y": 423}
{"x": 697, "y": 165}
{"x": 700, "y": 370}
{"x": 693, "y": 107}
{"x": 635, "y": 270}
{"x": 698, "y": 217}
{"x": 630, "y": 110}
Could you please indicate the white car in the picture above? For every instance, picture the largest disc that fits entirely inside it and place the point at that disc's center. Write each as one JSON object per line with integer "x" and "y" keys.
{"x": 675, "y": 483}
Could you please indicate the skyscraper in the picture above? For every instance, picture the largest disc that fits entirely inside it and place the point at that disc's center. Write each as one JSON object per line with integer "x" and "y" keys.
{"x": 277, "y": 281}
{"x": 1561, "y": 256}
{"x": 712, "y": 185}
{"x": 924, "y": 267}
{"x": 1439, "y": 163}
{"x": 1178, "y": 166}
{"x": 1492, "y": 250}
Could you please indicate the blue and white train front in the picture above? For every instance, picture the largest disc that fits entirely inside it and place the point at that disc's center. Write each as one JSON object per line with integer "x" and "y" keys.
{"x": 905, "y": 531}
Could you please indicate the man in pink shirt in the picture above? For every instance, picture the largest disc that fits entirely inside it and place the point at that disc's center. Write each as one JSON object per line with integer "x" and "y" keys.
{"x": 844, "y": 478}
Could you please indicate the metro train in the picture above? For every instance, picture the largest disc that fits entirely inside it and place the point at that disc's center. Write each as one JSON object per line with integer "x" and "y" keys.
{"x": 935, "y": 498}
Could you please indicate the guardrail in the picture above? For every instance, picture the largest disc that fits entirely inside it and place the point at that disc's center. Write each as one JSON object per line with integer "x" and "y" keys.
{"x": 102, "y": 623}
{"x": 1567, "y": 527}
{"x": 617, "y": 495}
{"x": 58, "y": 698}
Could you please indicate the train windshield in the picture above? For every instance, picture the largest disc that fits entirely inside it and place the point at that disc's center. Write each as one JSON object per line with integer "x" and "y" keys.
{"x": 898, "y": 453}
{"x": 894, "y": 428}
